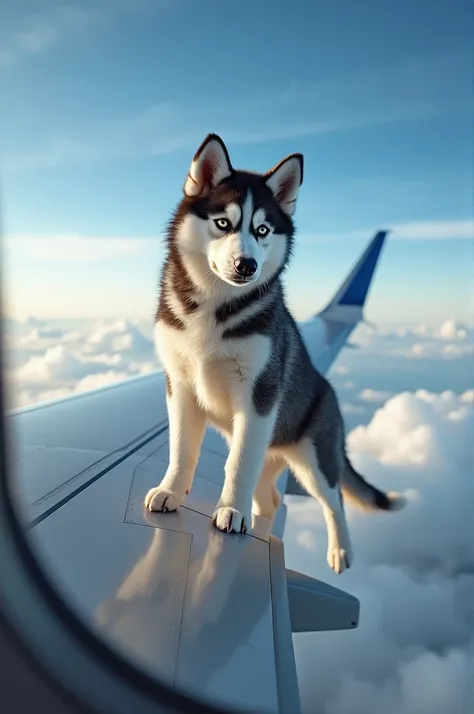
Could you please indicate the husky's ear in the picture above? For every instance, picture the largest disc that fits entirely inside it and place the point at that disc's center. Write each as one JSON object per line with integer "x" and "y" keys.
{"x": 285, "y": 179}
{"x": 211, "y": 164}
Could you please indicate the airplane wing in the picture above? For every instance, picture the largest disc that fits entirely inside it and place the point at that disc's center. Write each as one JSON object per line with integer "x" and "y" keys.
{"x": 208, "y": 613}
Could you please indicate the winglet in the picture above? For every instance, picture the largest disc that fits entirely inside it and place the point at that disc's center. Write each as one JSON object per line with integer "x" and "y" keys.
{"x": 353, "y": 292}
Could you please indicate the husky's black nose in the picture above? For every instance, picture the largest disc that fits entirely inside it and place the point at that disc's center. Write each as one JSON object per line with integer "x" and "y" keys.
{"x": 245, "y": 267}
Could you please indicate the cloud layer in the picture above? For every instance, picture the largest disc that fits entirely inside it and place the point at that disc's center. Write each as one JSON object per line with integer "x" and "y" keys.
{"x": 413, "y": 652}
{"x": 449, "y": 340}
{"x": 78, "y": 247}
{"x": 413, "y": 572}
{"x": 48, "y": 362}
{"x": 422, "y": 230}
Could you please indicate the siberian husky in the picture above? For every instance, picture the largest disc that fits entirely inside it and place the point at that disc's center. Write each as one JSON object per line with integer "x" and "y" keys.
{"x": 234, "y": 358}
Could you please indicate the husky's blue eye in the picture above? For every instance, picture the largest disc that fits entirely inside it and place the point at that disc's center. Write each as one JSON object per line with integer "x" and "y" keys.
{"x": 222, "y": 223}
{"x": 262, "y": 231}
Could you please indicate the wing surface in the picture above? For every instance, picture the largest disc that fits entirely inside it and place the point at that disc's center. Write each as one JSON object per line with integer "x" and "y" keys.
{"x": 211, "y": 613}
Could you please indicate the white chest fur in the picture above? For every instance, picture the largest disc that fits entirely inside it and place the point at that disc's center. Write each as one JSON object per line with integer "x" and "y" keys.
{"x": 220, "y": 372}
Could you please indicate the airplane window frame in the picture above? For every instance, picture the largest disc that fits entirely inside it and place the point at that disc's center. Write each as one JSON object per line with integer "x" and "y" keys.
{"x": 63, "y": 649}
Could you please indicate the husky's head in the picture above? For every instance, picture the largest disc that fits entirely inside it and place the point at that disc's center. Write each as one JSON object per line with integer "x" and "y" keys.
{"x": 236, "y": 223}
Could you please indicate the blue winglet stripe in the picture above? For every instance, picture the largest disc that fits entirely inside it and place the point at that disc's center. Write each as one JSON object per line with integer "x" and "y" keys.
{"x": 357, "y": 290}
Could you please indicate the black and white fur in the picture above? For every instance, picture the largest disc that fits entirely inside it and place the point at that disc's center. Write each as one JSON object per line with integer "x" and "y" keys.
{"x": 234, "y": 357}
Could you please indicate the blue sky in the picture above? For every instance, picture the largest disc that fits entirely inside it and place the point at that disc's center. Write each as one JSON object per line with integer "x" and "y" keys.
{"x": 108, "y": 100}
{"x": 104, "y": 103}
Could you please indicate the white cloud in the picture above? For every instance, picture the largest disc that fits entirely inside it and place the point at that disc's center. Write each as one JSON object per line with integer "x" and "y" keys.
{"x": 340, "y": 369}
{"x": 458, "y": 350}
{"x": 453, "y": 330}
{"x": 420, "y": 341}
{"x": 468, "y": 397}
{"x": 25, "y": 397}
{"x": 144, "y": 367}
{"x": 434, "y": 230}
{"x": 108, "y": 360}
{"x": 413, "y": 572}
{"x": 306, "y": 539}
{"x": 453, "y": 229}
{"x": 372, "y": 395}
{"x": 351, "y": 409}
{"x": 434, "y": 349}
{"x": 100, "y": 379}
{"x": 79, "y": 248}
{"x": 42, "y": 369}
{"x": 118, "y": 337}
{"x": 419, "y": 428}
{"x": 430, "y": 683}
{"x": 40, "y": 335}
{"x": 57, "y": 364}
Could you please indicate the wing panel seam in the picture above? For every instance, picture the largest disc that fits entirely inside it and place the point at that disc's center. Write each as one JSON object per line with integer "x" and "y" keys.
{"x": 86, "y": 484}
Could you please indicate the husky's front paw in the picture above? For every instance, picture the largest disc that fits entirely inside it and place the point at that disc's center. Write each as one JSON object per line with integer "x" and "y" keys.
{"x": 230, "y": 519}
{"x": 339, "y": 559}
{"x": 160, "y": 499}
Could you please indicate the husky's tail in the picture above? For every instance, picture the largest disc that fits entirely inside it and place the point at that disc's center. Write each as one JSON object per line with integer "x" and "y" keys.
{"x": 366, "y": 497}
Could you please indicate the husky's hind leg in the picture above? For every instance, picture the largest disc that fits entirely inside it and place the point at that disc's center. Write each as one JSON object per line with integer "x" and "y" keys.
{"x": 266, "y": 498}
{"x": 324, "y": 485}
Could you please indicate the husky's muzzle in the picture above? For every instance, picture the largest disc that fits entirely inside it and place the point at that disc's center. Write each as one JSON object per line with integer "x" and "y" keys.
{"x": 244, "y": 269}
